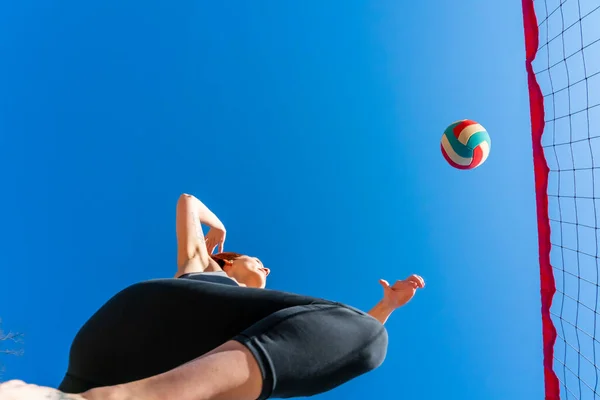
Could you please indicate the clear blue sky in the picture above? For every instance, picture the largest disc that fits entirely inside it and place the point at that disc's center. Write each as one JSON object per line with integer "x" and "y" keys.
{"x": 312, "y": 130}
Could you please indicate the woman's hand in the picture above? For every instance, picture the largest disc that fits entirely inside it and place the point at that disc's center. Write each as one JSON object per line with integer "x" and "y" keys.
{"x": 400, "y": 292}
{"x": 215, "y": 237}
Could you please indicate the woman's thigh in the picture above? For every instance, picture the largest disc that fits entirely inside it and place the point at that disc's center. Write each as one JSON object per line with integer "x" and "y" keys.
{"x": 154, "y": 326}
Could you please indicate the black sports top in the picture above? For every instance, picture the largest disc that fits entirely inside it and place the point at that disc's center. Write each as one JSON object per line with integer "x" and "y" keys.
{"x": 213, "y": 277}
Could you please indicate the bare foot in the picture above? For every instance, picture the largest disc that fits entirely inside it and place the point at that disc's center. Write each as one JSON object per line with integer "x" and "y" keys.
{"x": 19, "y": 390}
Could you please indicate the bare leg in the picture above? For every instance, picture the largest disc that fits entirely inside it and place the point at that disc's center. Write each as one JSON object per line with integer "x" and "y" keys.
{"x": 230, "y": 372}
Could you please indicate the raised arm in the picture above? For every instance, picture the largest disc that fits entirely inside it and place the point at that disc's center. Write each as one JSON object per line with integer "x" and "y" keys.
{"x": 395, "y": 296}
{"x": 192, "y": 254}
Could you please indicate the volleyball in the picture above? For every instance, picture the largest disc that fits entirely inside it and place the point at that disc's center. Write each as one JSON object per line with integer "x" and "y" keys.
{"x": 465, "y": 144}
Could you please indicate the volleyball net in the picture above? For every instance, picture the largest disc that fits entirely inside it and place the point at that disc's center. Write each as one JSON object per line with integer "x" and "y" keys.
{"x": 563, "y": 64}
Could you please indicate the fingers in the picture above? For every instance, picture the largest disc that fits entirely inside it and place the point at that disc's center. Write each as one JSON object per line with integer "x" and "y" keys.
{"x": 223, "y": 241}
{"x": 214, "y": 241}
{"x": 414, "y": 285}
{"x": 384, "y": 283}
{"x": 416, "y": 279}
{"x": 210, "y": 246}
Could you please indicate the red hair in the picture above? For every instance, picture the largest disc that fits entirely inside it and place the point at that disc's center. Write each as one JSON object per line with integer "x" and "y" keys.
{"x": 220, "y": 258}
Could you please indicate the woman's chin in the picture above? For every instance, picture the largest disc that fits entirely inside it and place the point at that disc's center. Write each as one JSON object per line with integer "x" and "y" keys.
{"x": 258, "y": 282}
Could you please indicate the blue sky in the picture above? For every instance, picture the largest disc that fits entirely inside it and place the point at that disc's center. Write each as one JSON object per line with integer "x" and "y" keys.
{"x": 312, "y": 130}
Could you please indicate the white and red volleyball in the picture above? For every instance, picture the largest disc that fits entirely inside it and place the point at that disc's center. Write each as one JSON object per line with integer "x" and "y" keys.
{"x": 466, "y": 144}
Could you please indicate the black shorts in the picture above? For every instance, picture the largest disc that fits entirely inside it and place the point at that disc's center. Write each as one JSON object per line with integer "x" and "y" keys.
{"x": 303, "y": 345}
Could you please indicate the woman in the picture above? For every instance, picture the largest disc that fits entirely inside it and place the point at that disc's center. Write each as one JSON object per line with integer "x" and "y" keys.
{"x": 214, "y": 332}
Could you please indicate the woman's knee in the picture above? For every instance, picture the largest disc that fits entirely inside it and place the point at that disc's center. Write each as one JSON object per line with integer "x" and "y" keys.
{"x": 372, "y": 341}
{"x": 311, "y": 349}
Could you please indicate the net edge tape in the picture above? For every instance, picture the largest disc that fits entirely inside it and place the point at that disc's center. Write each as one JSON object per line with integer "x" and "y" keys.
{"x": 541, "y": 171}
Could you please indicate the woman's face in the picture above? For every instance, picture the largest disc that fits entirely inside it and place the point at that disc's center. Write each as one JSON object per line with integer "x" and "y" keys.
{"x": 250, "y": 271}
